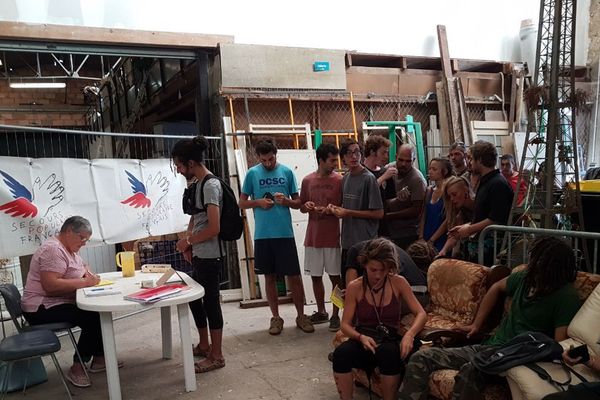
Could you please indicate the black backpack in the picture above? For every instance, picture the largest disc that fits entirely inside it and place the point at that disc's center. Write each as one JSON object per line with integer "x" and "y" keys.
{"x": 526, "y": 349}
{"x": 523, "y": 349}
{"x": 231, "y": 221}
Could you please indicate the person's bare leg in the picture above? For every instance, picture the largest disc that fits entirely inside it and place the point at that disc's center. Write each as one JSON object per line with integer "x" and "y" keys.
{"x": 204, "y": 344}
{"x": 319, "y": 291}
{"x": 216, "y": 351}
{"x": 271, "y": 289}
{"x": 389, "y": 386}
{"x": 216, "y": 338}
{"x": 336, "y": 280}
{"x": 345, "y": 385}
{"x": 297, "y": 293}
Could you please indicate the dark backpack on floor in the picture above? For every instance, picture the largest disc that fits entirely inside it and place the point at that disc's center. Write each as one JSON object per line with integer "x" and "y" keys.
{"x": 231, "y": 221}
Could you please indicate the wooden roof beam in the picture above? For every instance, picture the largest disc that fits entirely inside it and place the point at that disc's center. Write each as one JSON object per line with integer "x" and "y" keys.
{"x": 10, "y": 30}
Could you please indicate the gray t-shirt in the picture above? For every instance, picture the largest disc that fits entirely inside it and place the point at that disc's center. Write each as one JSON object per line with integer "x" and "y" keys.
{"x": 213, "y": 194}
{"x": 415, "y": 183}
{"x": 360, "y": 192}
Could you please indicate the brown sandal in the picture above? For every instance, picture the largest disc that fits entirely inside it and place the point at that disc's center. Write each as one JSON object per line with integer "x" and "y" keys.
{"x": 208, "y": 365}
{"x": 80, "y": 381}
{"x": 198, "y": 352}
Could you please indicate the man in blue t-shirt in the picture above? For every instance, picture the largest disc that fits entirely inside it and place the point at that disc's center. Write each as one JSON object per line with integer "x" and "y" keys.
{"x": 270, "y": 189}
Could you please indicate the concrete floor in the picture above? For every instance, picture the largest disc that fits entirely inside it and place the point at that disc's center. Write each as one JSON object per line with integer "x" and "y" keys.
{"x": 292, "y": 365}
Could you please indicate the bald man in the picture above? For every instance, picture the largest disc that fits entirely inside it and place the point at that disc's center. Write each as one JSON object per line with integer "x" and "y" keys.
{"x": 402, "y": 212}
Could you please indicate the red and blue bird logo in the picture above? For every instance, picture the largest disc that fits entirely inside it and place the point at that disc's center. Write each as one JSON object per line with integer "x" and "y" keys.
{"x": 139, "y": 198}
{"x": 22, "y": 205}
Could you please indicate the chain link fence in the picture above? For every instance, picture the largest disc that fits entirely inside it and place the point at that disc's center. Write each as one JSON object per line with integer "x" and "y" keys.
{"x": 39, "y": 142}
{"x": 336, "y": 117}
{"x": 584, "y": 125}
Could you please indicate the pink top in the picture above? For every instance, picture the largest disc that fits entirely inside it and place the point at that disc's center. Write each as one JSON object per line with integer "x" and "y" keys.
{"x": 52, "y": 256}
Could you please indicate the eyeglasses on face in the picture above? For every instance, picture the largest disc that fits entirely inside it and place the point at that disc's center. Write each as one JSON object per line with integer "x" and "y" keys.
{"x": 83, "y": 238}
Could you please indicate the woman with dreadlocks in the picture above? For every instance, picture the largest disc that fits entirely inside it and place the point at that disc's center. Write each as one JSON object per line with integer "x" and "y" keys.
{"x": 543, "y": 300}
{"x": 371, "y": 319}
{"x": 422, "y": 253}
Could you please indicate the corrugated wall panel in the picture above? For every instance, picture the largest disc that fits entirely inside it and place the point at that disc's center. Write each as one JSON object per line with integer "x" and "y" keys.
{"x": 100, "y": 258}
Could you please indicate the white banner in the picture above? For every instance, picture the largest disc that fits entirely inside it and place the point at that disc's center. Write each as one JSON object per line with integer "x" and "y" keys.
{"x": 123, "y": 199}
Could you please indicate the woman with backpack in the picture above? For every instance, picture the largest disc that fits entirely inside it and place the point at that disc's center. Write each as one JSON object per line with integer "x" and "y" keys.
{"x": 371, "y": 321}
{"x": 202, "y": 247}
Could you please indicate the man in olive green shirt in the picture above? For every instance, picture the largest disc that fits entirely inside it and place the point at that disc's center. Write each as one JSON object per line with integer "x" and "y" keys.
{"x": 543, "y": 300}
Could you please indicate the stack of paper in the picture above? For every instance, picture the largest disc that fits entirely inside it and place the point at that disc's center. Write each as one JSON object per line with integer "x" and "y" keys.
{"x": 147, "y": 296}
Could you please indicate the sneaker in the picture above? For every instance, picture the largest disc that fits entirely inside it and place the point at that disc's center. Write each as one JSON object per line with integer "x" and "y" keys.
{"x": 303, "y": 322}
{"x": 276, "y": 326}
{"x": 334, "y": 323}
{"x": 319, "y": 317}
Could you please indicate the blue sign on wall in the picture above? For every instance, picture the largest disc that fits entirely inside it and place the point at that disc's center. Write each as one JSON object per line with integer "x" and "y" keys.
{"x": 320, "y": 66}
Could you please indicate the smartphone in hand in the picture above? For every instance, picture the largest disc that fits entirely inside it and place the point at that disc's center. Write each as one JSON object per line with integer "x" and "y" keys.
{"x": 580, "y": 351}
{"x": 269, "y": 195}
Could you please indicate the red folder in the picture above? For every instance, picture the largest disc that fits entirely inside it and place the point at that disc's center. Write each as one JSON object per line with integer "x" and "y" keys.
{"x": 153, "y": 295}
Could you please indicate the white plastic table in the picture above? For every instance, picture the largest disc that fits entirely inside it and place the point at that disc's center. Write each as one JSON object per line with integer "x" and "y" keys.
{"x": 106, "y": 305}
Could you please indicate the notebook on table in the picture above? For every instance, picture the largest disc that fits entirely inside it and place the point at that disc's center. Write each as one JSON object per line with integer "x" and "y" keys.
{"x": 148, "y": 296}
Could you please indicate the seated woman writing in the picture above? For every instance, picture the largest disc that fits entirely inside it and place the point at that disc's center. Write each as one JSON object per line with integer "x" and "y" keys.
{"x": 55, "y": 273}
{"x": 372, "y": 321}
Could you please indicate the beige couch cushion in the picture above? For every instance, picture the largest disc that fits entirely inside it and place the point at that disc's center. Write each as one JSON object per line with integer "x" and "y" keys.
{"x": 585, "y": 326}
{"x": 524, "y": 383}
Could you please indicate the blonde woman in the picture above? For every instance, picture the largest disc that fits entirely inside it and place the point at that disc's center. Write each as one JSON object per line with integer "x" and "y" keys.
{"x": 459, "y": 202}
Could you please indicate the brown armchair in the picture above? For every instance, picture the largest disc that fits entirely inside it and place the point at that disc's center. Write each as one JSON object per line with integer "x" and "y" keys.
{"x": 441, "y": 383}
{"x": 456, "y": 288}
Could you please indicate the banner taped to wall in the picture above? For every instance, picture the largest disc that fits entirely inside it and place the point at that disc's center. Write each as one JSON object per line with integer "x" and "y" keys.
{"x": 123, "y": 199}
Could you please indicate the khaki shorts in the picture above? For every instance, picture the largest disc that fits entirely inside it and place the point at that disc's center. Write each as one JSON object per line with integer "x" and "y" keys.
{"x": 319, "y": 259}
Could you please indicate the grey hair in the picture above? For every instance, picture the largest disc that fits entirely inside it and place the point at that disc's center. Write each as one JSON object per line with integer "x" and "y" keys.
{"x": 408, "y": 146}
{"x": 77, "y": 224}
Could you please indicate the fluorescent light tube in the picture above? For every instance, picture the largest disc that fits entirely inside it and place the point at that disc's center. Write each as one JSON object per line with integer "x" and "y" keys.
{"x": 37, "y": 85}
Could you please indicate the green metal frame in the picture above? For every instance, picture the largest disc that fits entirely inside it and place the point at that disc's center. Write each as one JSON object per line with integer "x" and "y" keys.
{"x": 318, "y": 138}
{"x": 413, "y": 129}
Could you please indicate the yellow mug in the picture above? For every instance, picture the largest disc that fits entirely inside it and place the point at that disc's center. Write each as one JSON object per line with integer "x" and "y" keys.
{"x": 126, "y": 261}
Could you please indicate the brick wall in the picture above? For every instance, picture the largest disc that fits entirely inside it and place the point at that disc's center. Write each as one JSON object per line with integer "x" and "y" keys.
{"x": 43, "y": 107}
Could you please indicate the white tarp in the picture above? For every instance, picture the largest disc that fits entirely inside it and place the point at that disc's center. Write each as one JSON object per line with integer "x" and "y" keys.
{"x": 123, "y": 199}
